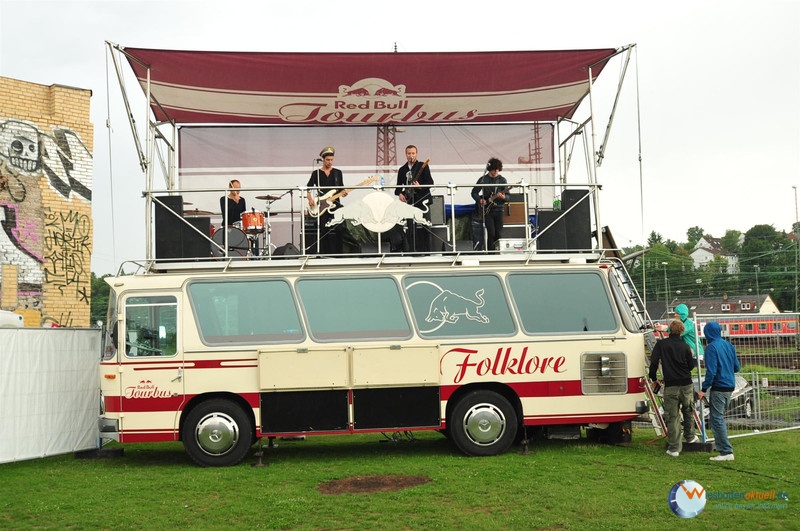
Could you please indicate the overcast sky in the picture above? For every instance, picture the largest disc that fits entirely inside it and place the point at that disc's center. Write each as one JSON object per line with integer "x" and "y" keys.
{"x": 718, "y": 88}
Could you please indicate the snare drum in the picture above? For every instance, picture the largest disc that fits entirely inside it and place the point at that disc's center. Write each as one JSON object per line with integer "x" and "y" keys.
{"x": 253, "y": 222}
{"x": 238, "y": 244}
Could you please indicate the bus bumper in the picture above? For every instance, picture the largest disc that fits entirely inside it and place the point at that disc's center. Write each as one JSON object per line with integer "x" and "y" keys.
{"x": 109, "y": 428}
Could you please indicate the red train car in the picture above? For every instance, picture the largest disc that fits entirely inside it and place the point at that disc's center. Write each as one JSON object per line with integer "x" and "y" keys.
{"x": 746, "y": 327}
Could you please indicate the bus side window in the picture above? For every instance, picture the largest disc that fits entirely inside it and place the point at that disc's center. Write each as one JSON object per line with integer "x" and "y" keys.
{"x": 562, "y": 302}
{"x": 459, "y": 305}
{"x": 245, "y": 312}
{"x": 354, "y": 308}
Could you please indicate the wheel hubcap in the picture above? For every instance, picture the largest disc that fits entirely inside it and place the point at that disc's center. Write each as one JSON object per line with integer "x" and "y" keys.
{"x": 484, "y": 424}
{"x": 216, "y": 433}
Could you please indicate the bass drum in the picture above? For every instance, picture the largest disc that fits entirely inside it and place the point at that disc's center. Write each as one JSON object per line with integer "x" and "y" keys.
{"x": 238, "y": 244}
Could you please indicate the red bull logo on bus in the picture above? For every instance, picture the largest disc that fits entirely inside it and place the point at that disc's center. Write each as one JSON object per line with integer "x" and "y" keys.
{"x": 372, "y": 87}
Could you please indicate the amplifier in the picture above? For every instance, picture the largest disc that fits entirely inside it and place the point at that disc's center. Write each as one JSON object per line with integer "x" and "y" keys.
{"x": 515, "y": 213}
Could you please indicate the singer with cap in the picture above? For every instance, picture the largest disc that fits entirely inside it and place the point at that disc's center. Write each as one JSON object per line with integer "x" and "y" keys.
{"x": 329, "y": 181}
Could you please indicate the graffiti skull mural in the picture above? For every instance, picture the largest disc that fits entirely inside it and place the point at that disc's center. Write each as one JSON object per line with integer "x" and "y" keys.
{"x": 20, "y": 143}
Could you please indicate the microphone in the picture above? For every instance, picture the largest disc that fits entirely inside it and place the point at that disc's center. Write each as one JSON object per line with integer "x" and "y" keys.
{"x": 317, "y": 160}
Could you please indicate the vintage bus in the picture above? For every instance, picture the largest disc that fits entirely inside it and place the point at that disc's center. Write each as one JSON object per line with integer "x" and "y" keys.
{"x": 218, "y": 355}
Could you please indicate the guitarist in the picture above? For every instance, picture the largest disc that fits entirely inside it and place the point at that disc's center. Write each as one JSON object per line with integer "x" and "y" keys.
{"x": 489, "y": 194}
{"x": 409, "y": 177}
{"x": 329, "y": 240}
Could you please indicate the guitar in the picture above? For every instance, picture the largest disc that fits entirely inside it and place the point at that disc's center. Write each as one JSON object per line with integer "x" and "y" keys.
{"x": 484, "y": 209}
{"x": 412, "y": 179}
{"x": 326, "y": 203}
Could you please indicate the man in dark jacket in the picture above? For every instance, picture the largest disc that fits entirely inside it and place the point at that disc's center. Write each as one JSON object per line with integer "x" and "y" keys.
{"x": 721, "y": 364}
{"x": 677, "y": 363}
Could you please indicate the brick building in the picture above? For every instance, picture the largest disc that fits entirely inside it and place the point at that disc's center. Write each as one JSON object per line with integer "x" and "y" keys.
{"x": 46, "y": 144}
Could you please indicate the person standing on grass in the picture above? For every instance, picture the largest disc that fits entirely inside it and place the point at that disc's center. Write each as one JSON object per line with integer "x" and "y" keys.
{"x": 721, "y": 364}
{"x": 677, "y": 363}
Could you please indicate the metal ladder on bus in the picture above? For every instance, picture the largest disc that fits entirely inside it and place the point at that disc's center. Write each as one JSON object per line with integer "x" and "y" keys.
{"x": 636, "y": 307}
{"x": 654, "y": 401}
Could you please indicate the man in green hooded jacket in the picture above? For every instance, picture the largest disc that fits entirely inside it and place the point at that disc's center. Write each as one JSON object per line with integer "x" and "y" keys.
{"x": 690, "y": 333}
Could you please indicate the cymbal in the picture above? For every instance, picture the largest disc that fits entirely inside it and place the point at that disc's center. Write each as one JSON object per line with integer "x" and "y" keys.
{"x": 268, "y": 197}
{"x": 187, "y": 203}
{"x": 197, "y": 212}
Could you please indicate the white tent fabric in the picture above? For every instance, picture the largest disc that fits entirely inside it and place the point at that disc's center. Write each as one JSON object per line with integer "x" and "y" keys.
{"x": 49, "y": 393}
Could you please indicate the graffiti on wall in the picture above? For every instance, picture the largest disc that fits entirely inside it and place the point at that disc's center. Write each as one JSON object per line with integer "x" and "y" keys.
{"x": 67, "y": 246}
{"x": 48, "y": 243}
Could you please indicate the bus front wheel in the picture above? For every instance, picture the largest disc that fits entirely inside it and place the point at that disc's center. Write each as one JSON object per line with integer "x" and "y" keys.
{"x": 217, "y": 433}
{"x": 483, "y": 423}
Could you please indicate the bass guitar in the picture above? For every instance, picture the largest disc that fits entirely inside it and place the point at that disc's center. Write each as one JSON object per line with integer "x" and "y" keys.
{"x": 327, "y": 202}
{"x": 412, "y": 179}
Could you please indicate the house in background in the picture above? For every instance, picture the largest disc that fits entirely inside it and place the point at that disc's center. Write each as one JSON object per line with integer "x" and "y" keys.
{"x": 747, "y": 304}
{"x": 707, "y": 248}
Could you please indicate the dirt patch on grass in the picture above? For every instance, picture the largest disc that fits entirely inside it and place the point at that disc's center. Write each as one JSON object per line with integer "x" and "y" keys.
{"x": 367, "y": 484}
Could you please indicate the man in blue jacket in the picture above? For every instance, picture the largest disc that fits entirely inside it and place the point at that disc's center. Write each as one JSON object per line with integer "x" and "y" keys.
{"x": 721, "y": 364}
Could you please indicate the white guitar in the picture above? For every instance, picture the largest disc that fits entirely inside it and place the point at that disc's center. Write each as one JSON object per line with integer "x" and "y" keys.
{"x": 326, "y": 203}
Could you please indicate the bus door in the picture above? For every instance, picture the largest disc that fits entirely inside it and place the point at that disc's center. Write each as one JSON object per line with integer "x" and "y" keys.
{"x": 151, "y": 368}
{"x": 395, "y": 387}
{"x": 304, "y": 389}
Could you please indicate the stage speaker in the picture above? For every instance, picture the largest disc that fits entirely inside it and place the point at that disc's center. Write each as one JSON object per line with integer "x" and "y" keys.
{"x": 578, "y": 223}
{"x": 286, "y": 250}
{"x": 196, "y": 245}
{"x": 168, "y": 229}
{"x": 439, "y": 239}
{"x": 555, "y": 237}
{"x": 438, "y": 216}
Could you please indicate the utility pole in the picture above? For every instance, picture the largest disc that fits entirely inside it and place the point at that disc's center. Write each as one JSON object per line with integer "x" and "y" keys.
{"x": 796, "y": 228}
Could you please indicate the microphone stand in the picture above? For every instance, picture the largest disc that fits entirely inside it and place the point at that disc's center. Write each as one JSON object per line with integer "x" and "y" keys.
{"x": 317, "y": 161}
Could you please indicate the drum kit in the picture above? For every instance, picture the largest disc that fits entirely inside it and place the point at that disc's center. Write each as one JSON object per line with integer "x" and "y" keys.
{"x": 251, "y": 236}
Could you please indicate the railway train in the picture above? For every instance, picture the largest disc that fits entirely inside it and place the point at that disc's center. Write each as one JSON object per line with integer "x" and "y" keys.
{"x": 749, "y": 327}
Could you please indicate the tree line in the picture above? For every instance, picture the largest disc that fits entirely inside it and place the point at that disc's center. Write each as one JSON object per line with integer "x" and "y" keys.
{"x": 767, "y": 264}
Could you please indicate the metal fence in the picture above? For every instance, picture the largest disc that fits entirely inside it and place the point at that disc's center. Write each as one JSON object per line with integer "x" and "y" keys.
{"x": 767, "y": 395}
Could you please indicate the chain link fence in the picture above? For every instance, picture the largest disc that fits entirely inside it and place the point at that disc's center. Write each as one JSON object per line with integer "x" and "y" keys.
{"x": 767, "y": 394}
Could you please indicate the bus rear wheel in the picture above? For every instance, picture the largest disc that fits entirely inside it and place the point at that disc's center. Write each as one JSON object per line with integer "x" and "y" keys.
{"x": 217, "y": 433}
{"x": 483, "y": 423}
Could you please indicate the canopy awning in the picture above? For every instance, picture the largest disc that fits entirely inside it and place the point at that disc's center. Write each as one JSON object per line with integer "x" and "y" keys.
{"x": 189, "y": 87}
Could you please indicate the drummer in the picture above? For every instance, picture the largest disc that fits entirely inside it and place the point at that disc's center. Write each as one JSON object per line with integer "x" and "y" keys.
{"x": 235, "y": 204}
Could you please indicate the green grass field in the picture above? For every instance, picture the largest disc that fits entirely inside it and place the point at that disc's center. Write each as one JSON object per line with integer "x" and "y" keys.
{"x": 557, "y": 485}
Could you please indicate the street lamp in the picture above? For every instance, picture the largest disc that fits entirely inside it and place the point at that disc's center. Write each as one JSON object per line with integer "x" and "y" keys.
{"x": 666, "y": 291}
{"x": 756, "y": 267}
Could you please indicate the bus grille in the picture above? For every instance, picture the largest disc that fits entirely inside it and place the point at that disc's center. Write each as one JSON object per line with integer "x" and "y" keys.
{"x": 604, "y": 373}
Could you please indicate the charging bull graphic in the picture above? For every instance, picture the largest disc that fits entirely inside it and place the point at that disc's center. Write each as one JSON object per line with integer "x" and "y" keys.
{"x": 378, "y": 212}
{"x": 449, "y": 307}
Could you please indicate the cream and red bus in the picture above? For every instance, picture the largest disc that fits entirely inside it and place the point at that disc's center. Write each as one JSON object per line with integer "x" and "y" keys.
{"x": 219, "y": 355}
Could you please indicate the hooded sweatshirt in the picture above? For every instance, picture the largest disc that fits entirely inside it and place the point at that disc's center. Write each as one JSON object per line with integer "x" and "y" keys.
{"x": 690, "y": 334}
{"x": 721, "y": 361}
